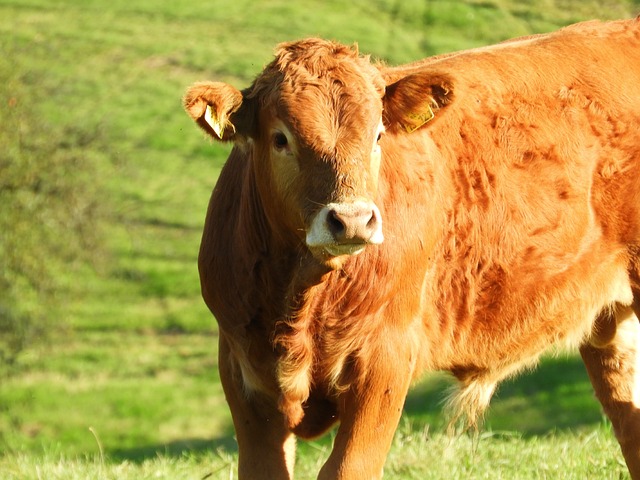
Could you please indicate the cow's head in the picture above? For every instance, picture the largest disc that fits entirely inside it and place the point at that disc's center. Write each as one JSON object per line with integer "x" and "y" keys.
{"x": 312, "y": 124}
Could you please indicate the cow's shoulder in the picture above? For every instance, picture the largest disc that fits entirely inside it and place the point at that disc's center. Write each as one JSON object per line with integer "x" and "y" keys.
{"x": 233, "y": 244}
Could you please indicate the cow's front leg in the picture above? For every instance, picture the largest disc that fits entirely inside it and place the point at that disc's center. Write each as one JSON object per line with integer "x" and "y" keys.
{"x": 266, "y": 448}
{"x": 614, "y": 370}
{"x": 369, "y": 414}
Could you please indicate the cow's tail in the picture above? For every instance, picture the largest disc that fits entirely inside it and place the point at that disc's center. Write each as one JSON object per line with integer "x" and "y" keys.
{"x": 467, "y": 402}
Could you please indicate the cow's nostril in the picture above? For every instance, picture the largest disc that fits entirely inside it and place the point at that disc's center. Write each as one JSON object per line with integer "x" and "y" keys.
{"x": 335, "y": 224}
{"x": 373, "y": 221}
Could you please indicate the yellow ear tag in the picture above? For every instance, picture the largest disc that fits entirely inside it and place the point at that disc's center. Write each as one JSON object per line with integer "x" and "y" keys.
{"x": 212, "y": 120}
{"x": 419, "y": 119}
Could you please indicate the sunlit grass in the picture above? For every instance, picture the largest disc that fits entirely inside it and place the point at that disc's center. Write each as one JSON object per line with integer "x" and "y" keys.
{"x": 137, "y": 392}
{"x": 416, "y": 455}
{"x": 126, "y": 387}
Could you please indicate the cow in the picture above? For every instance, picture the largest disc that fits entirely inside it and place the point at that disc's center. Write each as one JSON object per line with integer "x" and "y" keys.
{"x": 464, "y": 213}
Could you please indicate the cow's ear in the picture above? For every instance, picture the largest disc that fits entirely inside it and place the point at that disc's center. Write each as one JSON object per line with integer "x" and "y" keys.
{"x": 415, "y": 101}
{"x": 220, "y": 110}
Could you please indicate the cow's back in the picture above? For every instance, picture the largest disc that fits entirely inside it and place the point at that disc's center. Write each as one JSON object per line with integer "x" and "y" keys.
{"x": 541, "y": 149}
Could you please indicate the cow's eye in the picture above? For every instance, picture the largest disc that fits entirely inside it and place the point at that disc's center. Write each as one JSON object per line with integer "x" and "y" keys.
{"x": 280, "y": 140}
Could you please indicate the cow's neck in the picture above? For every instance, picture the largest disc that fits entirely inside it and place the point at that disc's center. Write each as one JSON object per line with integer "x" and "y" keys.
{"x": 279, "y": 260}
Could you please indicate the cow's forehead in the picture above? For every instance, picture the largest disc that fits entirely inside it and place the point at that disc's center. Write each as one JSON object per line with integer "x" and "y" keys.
{"x": 317, "y": 58}
{"x": 332, "y": 115}
{"x": 329, "y": 94}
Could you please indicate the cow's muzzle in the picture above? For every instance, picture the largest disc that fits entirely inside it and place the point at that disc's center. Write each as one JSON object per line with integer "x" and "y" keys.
{"x": 345, "y": 228}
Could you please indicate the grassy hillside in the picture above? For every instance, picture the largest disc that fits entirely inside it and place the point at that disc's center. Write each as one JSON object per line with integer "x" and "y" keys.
{"x": 129, "y": 367}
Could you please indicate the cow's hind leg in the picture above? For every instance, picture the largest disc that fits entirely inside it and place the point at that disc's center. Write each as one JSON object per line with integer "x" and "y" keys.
{"x": 266, "y": 448}
{"x": 612, "y": 361}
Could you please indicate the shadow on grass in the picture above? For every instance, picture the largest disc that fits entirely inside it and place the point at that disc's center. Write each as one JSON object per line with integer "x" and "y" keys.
{"x": 176, "y": 449}
{"x": 557, "y": 395}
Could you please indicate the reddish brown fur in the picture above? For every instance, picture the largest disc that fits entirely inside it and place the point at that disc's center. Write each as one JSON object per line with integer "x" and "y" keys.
{"x": 511, "y": 223}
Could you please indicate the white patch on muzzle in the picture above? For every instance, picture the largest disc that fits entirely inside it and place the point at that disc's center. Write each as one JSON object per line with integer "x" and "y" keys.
{"x": 346, "y": 228}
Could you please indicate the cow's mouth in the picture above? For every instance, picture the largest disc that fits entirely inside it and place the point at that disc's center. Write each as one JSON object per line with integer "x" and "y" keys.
{"x": 334, "y": 256}
{"x": 337, "y": 250}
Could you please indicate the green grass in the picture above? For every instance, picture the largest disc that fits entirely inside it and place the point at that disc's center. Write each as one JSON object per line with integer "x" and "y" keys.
{"x": 415, "y": 456}
{"x": 126, "y": 385}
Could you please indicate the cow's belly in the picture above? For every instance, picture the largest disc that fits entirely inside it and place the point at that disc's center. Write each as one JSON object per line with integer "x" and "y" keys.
{"x": 481, "y": 354}
{"x": 561, "y": 313}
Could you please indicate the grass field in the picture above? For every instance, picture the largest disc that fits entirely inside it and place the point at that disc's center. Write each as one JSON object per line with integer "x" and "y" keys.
{"x": 125, "y": 386}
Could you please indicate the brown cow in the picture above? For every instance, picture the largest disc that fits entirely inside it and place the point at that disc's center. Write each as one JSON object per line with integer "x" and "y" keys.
{"x": 463, "y": 213}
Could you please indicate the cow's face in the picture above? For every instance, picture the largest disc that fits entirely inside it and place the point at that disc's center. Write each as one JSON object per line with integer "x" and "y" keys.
{"x": 312, "y": 124}
{"x": 319, "y": 143}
